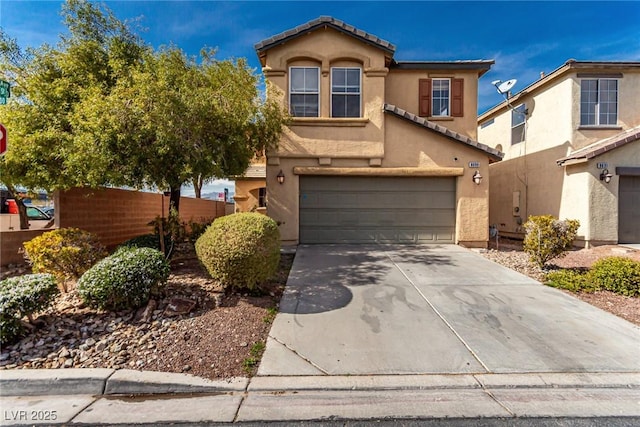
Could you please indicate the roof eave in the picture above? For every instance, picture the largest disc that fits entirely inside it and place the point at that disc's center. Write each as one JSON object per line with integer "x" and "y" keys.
{"x": 571, "y": 64}
{"x": 324, "y": 21}
{"x": 492, "y": 153}
{"x": 481, "y": 66}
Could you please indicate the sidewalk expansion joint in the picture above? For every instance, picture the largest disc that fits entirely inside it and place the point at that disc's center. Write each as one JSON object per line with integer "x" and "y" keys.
{"x": 449, "y": 325}
{"x": 324, "y": 371}
{"x": 106, "y": 380}
{"x": 495, "y": 399}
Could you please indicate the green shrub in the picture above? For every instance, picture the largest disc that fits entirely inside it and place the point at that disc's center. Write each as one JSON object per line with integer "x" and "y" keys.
{"x": 23, "y": 296}
{"x": 66, "y": 253}
{"x": 547, "y": 238}
{"x": 240, "y": 250}
{"x": 197, "y": 229}
{"x": 617, "y": 274}
{"x": 572, "y": 280}
{"x": 145, "y": 241}
{"x": 124, "y": 280}
{"x": 173, "y": 230}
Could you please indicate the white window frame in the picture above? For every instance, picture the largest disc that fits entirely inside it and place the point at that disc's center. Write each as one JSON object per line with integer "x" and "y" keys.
{"x": 434, "y": 112}
{"x": 304, "y": 91}
{"x": 521, "y": 110}
{"x": 597, "y": 103}
{"x": 346, "y": 94}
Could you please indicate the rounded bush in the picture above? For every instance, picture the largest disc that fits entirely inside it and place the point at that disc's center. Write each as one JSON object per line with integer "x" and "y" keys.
{"x": 547, "y": 238}
{"x": 617, "y": 274}
{"x": 241, "y": 250}
{"x": 124, "y": 280}
{"x": 66, "y": 253}
{"x": 570, "y": 279}
{"x": 23, "y": 296}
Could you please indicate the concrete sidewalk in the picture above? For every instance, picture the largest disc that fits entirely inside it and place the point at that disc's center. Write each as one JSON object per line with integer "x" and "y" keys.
{"x": 104, "y": 396}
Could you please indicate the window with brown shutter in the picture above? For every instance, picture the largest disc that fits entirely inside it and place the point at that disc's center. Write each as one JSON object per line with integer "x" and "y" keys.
{"x": 427, "y": 98}
{"x": 424, "y": 100}
{"x": 457, "y": 99}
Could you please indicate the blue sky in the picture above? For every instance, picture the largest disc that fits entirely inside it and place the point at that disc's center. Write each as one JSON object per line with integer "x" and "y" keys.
{"x": 524, "y": 38}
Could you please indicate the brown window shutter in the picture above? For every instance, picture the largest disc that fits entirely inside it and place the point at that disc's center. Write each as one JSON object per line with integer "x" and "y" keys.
{"x": 457, "y": 98}
{"x": 424, "y": 100}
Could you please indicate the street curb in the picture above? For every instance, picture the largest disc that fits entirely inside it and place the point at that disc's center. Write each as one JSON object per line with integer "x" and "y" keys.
{"x": 39, "y": 382}
{"x": 96, "y": 382}
{"x": 128, "y": 381}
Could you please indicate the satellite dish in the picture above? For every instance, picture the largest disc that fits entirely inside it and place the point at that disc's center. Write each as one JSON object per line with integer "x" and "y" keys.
{"x": 504, "y": 87}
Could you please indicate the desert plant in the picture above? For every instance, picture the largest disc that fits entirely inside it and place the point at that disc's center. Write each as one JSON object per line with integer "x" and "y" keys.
{"x": 570, "y": 279}
{"x": 240, "y": 250}
{"x": 66, "y": 253}
{"x": 617, "y": 274}
{"x": 197, "y": 228}
{"x": 547, "y": 238}
{"x": 23, "y": 296}
{"x": 124, "y": 280}
{"x": 173, "y": 230}
{"x": 145, "y": 241}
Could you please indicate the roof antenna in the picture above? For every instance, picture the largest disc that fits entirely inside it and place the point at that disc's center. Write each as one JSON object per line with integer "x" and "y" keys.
{"x": 504, "y": 88}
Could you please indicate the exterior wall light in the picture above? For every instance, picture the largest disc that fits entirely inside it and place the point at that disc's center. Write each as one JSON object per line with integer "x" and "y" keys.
{"x": 477, "y": 178}
{"x": 605, "y": 176}
{"x": 280, "y": 177}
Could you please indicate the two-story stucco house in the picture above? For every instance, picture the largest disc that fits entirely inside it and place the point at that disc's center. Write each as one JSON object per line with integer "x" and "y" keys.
{"x": 377, "y": 150}
{"x": 572, "y": 149}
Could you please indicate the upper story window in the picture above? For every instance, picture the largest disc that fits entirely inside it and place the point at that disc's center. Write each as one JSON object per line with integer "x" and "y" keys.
{"x": 518, "y": 123}
{"x": 441, "y": 97}
{"x": 304, "y": 91}
{"x": 345, "y": 92}
{"x": 598, "y": 102}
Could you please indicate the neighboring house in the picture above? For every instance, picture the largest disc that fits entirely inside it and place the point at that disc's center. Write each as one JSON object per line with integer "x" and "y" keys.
{"x": 378, "y": 150}
{"x": 572, "y": 149}
{"x": 251, "y": 190}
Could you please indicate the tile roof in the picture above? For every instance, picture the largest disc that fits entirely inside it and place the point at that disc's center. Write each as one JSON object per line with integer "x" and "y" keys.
{"x": 480, "y": 65}
{"x": 602, "y": 146}
{"x": 320, "y": 22}
{"x": 399, "y": 112}
{"x": 255, "y": 171}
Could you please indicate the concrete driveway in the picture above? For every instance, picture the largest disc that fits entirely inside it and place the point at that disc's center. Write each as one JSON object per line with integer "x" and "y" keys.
{"x": 391, "y": 309}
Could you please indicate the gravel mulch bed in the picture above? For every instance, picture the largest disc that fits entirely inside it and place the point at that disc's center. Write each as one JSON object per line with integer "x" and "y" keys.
{"x": 197, "y": 328}
{"x": 509, "y": 253}
{"x": 194, "y": 328}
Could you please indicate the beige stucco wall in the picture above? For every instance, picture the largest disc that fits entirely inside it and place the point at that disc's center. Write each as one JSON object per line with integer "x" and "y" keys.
{"x": 247, "y": 194}
{"x": 554, "y": 116}
{"x": 377, "y": 140}
{"x": 530, "y": 167}
{"x": 548, "y": 123}
{"x": 597, "y": 204}
{"x": 411, "y": 145}
{"x": 628, "y": 110}
{"x": 402, "y": 91}
{"x": 325, "y": 136}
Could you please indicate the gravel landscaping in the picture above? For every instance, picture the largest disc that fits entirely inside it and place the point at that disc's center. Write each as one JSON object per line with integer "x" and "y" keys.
{"x": 195, "y": 328}
{"x": 509, "y": 253}
{"x": 199, "y": 329}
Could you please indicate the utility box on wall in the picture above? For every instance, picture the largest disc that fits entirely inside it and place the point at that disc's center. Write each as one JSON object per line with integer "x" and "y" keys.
{"x": 516, "y": 203}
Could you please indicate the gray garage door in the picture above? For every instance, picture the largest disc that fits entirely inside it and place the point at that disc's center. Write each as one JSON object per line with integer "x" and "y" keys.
{"x": 629, "y": 210}
{"x": 377, "y": 209}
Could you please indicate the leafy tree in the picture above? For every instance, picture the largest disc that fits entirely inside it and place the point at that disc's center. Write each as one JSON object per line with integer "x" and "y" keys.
{"x": 103, "y": 108}
{"x": 50, "y": 85}
{"x": 179, "y": 119}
